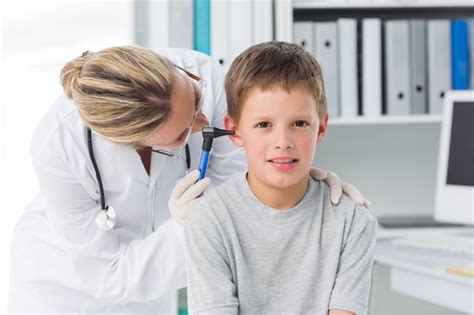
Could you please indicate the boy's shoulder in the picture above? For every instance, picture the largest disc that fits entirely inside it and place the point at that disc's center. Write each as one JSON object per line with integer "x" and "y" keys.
{"x": 346, "y": 211}
{"x": 216, "y": 203}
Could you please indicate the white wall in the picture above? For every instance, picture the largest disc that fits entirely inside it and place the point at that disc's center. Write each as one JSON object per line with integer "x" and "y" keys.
{"x": 36, "y": 39}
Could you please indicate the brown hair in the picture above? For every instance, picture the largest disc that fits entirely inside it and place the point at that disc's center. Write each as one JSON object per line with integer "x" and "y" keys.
{"x": 122, "y": 93}
{"x": 270, "y": 64}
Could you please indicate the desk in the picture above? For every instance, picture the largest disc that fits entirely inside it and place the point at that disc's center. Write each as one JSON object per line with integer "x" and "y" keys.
{"x": 421, "y": 274}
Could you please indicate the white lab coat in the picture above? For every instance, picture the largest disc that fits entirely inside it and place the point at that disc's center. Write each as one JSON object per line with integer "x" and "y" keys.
{"x": 61, "y": 261}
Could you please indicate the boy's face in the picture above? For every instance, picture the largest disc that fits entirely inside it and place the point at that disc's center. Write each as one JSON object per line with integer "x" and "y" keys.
{"x": 279, "y": 132}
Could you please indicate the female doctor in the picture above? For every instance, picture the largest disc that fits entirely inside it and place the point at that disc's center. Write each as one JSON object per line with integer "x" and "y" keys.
{"x": 109, "y": 156}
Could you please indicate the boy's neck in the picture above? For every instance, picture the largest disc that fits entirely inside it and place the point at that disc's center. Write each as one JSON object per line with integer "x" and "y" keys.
{"x": 278, "y": 198}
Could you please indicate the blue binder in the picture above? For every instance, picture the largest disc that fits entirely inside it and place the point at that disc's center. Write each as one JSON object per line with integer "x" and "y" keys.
{"x": 460, "y": 55}
{"x": 202, "y": 26}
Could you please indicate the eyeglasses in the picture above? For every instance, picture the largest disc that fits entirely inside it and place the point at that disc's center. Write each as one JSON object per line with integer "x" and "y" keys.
{"x": 175, "y": 153}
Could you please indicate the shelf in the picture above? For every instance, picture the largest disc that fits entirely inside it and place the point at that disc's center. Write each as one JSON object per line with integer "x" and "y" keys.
{"x": 386, "y": 120}
{"x": 341, "y": 4}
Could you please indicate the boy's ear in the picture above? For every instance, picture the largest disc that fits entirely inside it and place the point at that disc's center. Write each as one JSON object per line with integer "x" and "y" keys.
{"x": 230, "y": 124}
{"x": 323, "y": 128}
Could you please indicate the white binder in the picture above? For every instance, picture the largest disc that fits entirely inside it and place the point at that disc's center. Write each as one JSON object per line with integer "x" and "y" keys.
{"x": 418, "y": 67}
{"x": 347, "y": 52}
{"x": 262, "y": 21}
{"x": 220, "y": 32}
{"x": 326, "y": 53}
{"x": 397, "y": 67}
{"x": 181, "y": 24}
{"x": 158, "y": 24}
{"x": 303, "y": 35}
{"x": 371, "y": 67}
{"x": 240, "y": 35}
{"x": 471, "y": 52}
{"x": 439, "y": 63}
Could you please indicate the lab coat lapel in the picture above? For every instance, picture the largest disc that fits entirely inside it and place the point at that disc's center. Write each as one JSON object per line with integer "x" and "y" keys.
{"x": 157, "y": 163}
{"x": 129, "y": 162}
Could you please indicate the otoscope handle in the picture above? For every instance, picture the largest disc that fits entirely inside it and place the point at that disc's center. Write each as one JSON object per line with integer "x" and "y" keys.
{"x": 203, "y": 164}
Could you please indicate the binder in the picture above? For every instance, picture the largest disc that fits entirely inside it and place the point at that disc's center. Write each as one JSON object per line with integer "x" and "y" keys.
{"x": 141, "y": 20}
{"x": 182, "y": 24}
{"x": 471, "y": 52}
{"x": 220, "y": 32}
{"x": 158, "y": 24}
{"x": 326, "y": 53}
{"x": 459, "y": 55}
{"x": 240, "y": 35}
{"x": 418, "y": 67}
{"x": 347, "y": 55}
{"x": 262, "y": 21}
{"x": 439, "y": 63}
{"x": 303, "y": 35}
{"x": 202, "y": 26}
{"x": 397, "y": 67}
{"x": 371, "y": 67}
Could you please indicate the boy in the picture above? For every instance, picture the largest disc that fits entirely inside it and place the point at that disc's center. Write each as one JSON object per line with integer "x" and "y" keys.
{"x": 270, "y": 241}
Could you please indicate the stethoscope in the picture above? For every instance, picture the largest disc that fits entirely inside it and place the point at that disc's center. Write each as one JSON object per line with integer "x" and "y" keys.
{"x": 107, "y": 217}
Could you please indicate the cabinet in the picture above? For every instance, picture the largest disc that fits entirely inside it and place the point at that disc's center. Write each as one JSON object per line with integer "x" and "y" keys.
{"x": 392, "y": 159}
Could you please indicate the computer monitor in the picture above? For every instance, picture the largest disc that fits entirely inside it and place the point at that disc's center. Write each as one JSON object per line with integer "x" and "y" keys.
{"x": 455, "y": 184}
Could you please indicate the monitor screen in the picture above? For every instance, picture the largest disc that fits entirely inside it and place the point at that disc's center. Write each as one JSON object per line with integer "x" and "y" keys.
{"x": 461, "y": 148}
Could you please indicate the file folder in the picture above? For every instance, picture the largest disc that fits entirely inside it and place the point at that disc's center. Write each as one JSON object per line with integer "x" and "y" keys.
{"x": 240, "y": 35}
{"x": 418, "y": 67}
{"x": 158, "y": 24}
{"x": 303, "y": 35}
{"x": 397, "y": 67}
{"x": 262, "y": 21}
{"x": 439, "y": 63}
{"x": 460, "y": 55}
{"x": 181, "y": 22}
{"x": 220, "y": 32}
{"x": 348, "y": 94}
{"x": 202, "y": 26}
{"x": 471, "y": 52}
{"x": 371, "y": 67}
{"x": 326, "y": 53}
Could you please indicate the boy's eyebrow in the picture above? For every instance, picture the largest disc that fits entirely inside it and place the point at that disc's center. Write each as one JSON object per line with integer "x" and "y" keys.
{"x": 266, "y": 116}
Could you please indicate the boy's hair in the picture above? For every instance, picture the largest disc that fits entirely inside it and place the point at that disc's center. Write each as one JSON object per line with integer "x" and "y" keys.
{"x": 269, "y": 65}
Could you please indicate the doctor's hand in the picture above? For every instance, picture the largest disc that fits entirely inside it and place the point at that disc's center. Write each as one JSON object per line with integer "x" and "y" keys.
{"x": 337, "y": 186}
{"x": 185, "y": 194}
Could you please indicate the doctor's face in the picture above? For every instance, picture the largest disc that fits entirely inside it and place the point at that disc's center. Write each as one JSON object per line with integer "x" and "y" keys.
{"x": 185, "y": 116}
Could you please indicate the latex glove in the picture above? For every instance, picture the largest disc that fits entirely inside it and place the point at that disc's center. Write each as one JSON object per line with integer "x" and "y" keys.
{"x": 337, "y": 186}
{"x": 185, "y": 194}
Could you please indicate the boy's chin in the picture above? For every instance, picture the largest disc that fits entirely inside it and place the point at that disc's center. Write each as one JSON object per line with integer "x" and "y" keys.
{"x": 285, "y": 181}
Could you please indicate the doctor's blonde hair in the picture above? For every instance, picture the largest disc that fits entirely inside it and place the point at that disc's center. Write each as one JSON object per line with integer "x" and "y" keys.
{"x": 122, "y": 93}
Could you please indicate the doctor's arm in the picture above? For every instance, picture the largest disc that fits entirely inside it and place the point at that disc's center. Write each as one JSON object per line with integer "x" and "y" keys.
{"x": 111, "y": 269}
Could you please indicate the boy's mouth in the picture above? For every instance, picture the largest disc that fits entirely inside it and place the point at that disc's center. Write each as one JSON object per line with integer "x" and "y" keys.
{"x": 283, "y": 163}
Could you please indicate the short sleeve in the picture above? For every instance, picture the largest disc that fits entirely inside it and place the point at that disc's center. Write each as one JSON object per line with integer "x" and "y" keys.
{"x": 352, "y": 286}
{"x": 210, "y": 283}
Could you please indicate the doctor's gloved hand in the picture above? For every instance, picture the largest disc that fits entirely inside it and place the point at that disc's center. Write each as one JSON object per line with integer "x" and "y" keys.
{"x": 185, "y": 194}
{"x": 337, "y": 186}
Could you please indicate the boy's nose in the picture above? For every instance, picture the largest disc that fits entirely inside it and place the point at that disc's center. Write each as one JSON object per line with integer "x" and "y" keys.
{"x": 283, "y": 140}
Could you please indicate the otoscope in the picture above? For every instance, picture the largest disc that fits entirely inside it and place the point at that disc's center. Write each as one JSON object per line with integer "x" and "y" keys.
{"x": 209, "y": 133}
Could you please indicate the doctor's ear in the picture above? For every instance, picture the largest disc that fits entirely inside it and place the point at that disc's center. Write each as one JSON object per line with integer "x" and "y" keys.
{"x": 230, "y": 124}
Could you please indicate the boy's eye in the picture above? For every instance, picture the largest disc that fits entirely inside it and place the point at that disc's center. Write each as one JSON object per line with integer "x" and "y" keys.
{"x": 301, "y": 123}
{"x": 263, "y": 124}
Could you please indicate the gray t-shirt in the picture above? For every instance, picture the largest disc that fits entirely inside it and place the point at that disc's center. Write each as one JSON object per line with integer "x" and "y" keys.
{"x": 245, "y": 257}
